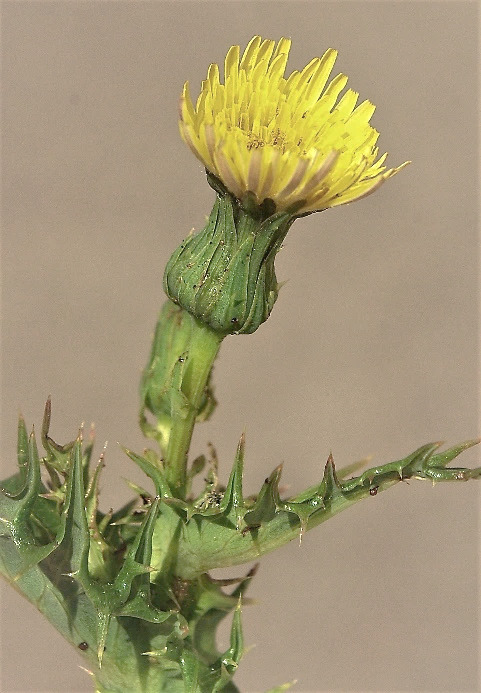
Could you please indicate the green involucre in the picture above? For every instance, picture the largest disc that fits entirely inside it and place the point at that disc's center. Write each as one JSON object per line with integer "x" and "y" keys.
{"x": 224, "y": 275}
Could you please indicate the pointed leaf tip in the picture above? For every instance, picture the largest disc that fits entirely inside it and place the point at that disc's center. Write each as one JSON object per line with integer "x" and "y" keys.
{"x": 22, "y": 443}
{"x": 332, "y": 485}
{"x": 242, "y": 444}
{"x": 330, "y": 467}
{"x": 47, "y": 413}
{"x": 236, "y": 650}
{"x": 232, "y": 505}
{"x": 102, "y": 632}
{"x": 267, "y": 502}
{"x": 441, "y": 459}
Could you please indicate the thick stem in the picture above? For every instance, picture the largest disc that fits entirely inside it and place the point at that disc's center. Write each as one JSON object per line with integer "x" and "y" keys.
{"x": 202, "y": 350}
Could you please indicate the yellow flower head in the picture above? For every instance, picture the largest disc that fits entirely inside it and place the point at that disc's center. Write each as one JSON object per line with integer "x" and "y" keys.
{"x": 285, "y": 139}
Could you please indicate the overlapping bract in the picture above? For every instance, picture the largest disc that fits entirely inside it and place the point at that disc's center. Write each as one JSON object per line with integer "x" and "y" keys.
{"x": 286, "y": 139}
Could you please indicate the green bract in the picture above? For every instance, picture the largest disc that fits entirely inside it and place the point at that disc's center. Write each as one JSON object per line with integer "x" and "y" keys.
{"x": 224, "y": 275}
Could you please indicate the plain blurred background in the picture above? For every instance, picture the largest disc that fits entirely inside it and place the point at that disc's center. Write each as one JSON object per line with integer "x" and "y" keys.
{"x": 371, "y": 348}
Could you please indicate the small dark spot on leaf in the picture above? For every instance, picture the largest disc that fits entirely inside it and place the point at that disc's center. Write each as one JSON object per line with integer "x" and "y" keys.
{"x": 251, "y": 528}
{"x": 83, "y": 646}
{"x": 373, "y": 490}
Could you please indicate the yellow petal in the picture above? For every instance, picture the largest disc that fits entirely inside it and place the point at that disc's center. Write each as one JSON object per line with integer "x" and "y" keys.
{"x": 291, "y": 139}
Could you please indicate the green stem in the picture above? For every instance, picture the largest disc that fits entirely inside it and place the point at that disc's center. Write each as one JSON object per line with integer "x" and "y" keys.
{"x": 203, "y": 348}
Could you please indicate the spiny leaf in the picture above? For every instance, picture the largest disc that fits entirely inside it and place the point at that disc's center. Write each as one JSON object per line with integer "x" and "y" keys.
{"x": 87, "y": 453}
{"x": 267, "y": 502}
{"x": 451, "y": 473}
{"x": 20, "y": 528}
{"x": 392, "y": 471}
{"x": 236, "y": 649}
{"x": 33, "y": 479}
{"x": 22, "y": 448}
{"x": 92, "y": 495}
{"x": 213, "y": 605}
{"x": 161, "y": 486}
{"x": 20, "y": 525}
{"x": 33, "y": 510}
{"x": 421, "y": 464}
{"x": 57, "y": 455}
{"x": 22, "y": 459}
{"x": 303, "y": 512}
{"x": 319, "y": 497}
{"x": 77, "y": 534}
{"x": 140, "y": 551}
{"x": 228, "y": 662}
{"x": 110, "y": 598}
{"x": 418, "y": 460}
{"x": 101, "y": 564}
{"x": 232, "y": 505}
{"x": 329, "y": 488}
{"x": 332, "y": 486}
{"x": 139, "y": 602}
{"x": 441, "y": 459}
{"x": 77, "y": 537}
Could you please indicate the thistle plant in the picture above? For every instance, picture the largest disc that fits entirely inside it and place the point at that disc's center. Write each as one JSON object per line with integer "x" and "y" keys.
{"x": 131, "y": 588}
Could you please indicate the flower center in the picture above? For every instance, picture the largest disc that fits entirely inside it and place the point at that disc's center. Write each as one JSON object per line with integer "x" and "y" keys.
{"x": 275, "y": 138}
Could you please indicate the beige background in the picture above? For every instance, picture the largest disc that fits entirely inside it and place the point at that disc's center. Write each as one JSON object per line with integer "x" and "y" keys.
{"x": 370, "y": 350}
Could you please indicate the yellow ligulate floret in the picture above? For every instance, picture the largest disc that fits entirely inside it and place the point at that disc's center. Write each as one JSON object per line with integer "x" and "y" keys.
{"x": 291, "y": 140}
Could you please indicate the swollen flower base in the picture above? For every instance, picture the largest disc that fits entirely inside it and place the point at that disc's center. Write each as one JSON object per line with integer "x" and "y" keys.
{"x": 225, "y": 274}
{"x": 130, "y": 589}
